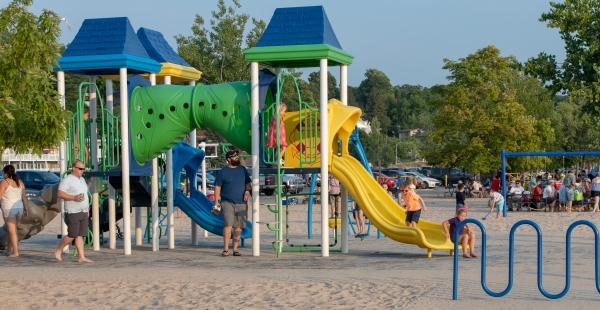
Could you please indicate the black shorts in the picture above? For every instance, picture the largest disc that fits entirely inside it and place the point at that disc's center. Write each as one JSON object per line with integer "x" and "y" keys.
{"x": 549, "y": 200}
{"x": 413, "y": 216}
{"x": 595, "y": 193}
{"x": 77, "y": 224}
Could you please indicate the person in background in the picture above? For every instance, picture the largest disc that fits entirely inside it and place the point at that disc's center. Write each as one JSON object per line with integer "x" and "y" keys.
{"x": 272, "y": 142}
{"x": 516, "y": 192}
{"x": 549, "y": 195}
{"x": 334, "y": 189}
{"x": 496, "y": 183}
{"x": 14, "y": 207}
{"x": 596, "y": 192}
{"x": 567, "y": 189}
{"x": 461, "y": 198}
{"x": 496, "y": 202}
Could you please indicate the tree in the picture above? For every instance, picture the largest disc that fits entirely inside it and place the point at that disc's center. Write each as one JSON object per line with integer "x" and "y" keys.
{"x": 31, "y": 117}
{"x": 314, "y": 82}
{"x": 478, "y": 115}
{"x": 289, "y": 93}
{"x": 218, "y": 51}
{"x": 379, "y": 148}
{"x": 377, "y": 94}
{"x": 577, "y": 22}
{"x": 411, "y": 108}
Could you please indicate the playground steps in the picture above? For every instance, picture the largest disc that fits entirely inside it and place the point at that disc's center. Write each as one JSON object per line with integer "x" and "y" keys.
{"x": 138, "y": 195}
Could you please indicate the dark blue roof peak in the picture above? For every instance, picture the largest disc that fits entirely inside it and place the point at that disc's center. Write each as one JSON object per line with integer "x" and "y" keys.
{"x": 106, "y": 36}
{"x": 158, "y": 48}
{"x": 299, "y": 26}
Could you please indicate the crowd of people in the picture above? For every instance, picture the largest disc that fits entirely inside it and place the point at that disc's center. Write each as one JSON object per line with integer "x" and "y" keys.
{"x": 556, "y": 192}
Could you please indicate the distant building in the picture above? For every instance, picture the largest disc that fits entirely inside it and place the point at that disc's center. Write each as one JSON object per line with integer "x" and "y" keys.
{"x": 364, "y": 125}
{"x": 417, "y": 133}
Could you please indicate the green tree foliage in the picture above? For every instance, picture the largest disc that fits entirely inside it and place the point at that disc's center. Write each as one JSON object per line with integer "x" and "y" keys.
{"x": 30, "y": 113}
{"x": 479, "y": 114}
{"x": 289, "y": 93}
{"x": 378, "y": 146}
{"x": 409, "y": 149}
{"x": 376, "y": 94}
{"x": 577, "y": 23}
{"x": 314, "y": 83}
{"x": 218, "y": 51}
{"x": 412, "y": 108}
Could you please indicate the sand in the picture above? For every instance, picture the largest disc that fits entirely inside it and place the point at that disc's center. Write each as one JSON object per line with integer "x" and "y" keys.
{"x": 378, "y": 273}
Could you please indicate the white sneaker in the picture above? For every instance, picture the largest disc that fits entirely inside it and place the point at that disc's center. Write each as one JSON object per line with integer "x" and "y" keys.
{"x": 281, "y": 162}
{"x": 216, "y": 209}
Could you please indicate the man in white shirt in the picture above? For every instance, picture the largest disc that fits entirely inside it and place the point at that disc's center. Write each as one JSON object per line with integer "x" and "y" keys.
{"x": 548, "y": 196}
{"x": 74, "y": 191}
{"x": 516, "y": 192}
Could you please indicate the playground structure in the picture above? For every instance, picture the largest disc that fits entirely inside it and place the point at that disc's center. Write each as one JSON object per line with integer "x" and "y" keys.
{"x": 511, "y": 258}
{"x": 153, "y": 119}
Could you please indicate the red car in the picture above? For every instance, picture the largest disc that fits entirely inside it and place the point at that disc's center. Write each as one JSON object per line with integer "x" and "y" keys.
{"x": 382, "y": 178}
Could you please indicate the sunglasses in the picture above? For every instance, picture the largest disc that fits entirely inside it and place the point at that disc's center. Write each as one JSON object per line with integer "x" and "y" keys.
{"x": 404, "y": 190}
{"x": 233, "y": 156}
{"x": 80, "y": 169}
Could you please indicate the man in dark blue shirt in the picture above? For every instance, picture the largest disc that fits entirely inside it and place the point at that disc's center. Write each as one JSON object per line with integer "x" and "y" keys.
{"x": 232, "y": 186}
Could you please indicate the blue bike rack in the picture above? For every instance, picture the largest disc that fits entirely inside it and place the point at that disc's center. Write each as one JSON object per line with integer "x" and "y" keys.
{"x": 511, "y": 258}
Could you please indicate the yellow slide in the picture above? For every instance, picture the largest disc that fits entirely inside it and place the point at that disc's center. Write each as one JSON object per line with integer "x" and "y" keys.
{"x": 382, "y": 210}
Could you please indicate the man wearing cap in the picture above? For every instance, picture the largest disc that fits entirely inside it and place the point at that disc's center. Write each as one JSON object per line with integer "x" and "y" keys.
{"x": 232, "y": 187}
{"x": 549, "y": 195}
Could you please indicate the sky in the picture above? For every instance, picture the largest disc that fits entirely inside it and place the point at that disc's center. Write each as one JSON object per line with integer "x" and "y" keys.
{"x": 406, "y": 39}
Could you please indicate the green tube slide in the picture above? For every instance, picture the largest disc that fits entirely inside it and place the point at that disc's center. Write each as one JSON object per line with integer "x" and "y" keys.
{"x": 162, "y": 115}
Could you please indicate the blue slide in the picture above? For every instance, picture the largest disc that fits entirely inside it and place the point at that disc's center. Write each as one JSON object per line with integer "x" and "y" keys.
{"x": 198, "y": 206}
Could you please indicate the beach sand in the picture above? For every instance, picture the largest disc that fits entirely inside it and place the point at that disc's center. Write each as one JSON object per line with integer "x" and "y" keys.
{"x": 376, "y": 272}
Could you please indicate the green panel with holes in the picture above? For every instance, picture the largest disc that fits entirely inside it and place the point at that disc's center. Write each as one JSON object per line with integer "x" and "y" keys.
{"x": 162, "y": 115}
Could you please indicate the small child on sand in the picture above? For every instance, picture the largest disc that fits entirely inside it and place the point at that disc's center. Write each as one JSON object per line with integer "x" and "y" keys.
{"x": 465, "y": 239}
{"x": 496, "y": 202}
{"x": 413, "y": 204}
{"x": 461, "y": 198}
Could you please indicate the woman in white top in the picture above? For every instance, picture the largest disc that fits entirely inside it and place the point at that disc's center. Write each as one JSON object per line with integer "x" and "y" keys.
{"x": 14, "y": 207}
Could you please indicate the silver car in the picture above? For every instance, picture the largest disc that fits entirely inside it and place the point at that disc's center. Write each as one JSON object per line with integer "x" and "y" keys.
{"x": 426, "y": 182}
{"x": 292, "y": 184}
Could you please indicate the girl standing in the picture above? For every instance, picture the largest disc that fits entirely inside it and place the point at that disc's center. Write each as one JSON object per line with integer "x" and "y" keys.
{"x": 14, "y": 207}
{"x": 273, "y": 132}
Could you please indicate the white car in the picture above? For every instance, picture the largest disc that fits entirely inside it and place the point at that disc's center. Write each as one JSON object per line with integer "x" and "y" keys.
{"x": 426, "y": 182}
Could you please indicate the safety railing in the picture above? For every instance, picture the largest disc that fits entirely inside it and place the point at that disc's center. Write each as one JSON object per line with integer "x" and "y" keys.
{"x": 511, "y": 258}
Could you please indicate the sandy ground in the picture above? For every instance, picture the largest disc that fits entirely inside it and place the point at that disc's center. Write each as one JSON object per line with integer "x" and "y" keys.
{"x": 375, "y": 273}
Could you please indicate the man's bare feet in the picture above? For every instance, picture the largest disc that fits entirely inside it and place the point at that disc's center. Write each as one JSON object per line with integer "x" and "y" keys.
{"x": 13, "y": 255}
{"x": 465, "y": 255}
{"x": 473, "y": 255}
{"x": 85, "y": 260}
{"x": 58, "y": 254}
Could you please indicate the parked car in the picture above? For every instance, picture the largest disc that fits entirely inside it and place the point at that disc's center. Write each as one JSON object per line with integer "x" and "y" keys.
{"x": 391, "y": 182}
{"x": 426, "y": 182}
{"x": 399, "y": 174}
{"x": 267, "y": 182}
{"x": 292, "y": 184}
{"x": 454, "y": 174}
{"x": 35, "y": 179}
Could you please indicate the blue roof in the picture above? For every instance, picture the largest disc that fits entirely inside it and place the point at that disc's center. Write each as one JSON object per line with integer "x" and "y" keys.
{"x": 106, "y": 36}
{"x": 158, "y": 48}
{"x": 299, "y": 26}
{"x": 104, "y": 45}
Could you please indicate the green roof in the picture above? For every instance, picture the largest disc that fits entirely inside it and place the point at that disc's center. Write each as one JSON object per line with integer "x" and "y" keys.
{"x": 298, "y": 56}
